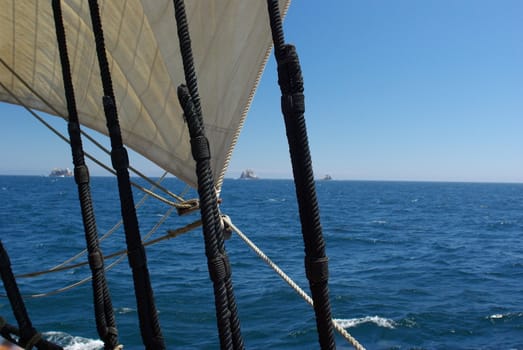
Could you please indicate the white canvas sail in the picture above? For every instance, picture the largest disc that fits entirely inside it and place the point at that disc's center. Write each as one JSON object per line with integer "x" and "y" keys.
{"x": 231, "y": 41}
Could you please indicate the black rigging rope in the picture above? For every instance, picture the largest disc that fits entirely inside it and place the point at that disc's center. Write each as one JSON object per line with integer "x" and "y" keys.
{"x": 104, "y": 314}
{"x": 147, "y": 313}
{"x": 28, "y": 336}
{"x": 218, "y": 262}
{"x": 293, "y": 107}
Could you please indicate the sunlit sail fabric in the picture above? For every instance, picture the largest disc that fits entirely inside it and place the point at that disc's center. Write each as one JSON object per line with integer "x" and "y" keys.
{"x": 231, "y": 40}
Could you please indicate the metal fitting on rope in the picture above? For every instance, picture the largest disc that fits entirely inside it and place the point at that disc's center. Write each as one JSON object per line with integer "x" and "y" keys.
{"x": 290, "y": 77}
{"x": 219, "y": 268}
{"x": 137, "y": 257}
{"x": 81, "y": 174}
{"x": 119, "y": 158}
{"x": 96, "y": 260}
{"x": 294, "y": 103}
{"x": 200, "y": 148}
{"x": 317, "y": 269}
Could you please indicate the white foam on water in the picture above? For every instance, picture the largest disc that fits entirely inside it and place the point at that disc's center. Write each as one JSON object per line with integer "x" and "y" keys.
{"x": 379, "y": 321}
{"x": 70, "y": 342}
{"x": 125, "y": 310}
{"x": 379, "y": 222}
{"x": 274, "y": 200}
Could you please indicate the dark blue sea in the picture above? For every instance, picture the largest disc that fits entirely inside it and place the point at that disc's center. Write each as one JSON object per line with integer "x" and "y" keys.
{"x": 413, "y": 265}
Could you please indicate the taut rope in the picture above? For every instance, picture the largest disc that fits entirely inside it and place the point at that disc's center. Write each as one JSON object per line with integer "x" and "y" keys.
{"x": 289, "y": 280}
{"x": 103, "y": 306}
{"x": 293, "y": 107}
{"x": 217, "y": 260}
{"x": 147, "y": 313}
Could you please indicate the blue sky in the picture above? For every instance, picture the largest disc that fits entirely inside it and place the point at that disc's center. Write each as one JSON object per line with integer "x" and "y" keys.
{"x": 395, "y": 90}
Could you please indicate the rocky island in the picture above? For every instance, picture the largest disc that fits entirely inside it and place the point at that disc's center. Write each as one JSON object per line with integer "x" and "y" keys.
{"x": 248, "y": 174}
{"x": 61, "y": 172}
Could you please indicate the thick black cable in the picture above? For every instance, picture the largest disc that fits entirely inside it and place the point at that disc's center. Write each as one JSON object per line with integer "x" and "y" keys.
{"x": 28, "y": 336}
{"x": 147, "y": 313}
{"x": 205, "y": 171}
{"x": 278, "y": 38}
{"x": 218, "y": 264}
{"x": 293, "y": 107}
{"x": 104, "y": 314}
{"x": 189, "y": 96}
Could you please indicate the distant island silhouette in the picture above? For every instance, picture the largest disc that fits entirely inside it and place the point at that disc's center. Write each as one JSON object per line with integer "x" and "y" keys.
{"x": 248, "y": 174}
{"x": 61, "y": 172}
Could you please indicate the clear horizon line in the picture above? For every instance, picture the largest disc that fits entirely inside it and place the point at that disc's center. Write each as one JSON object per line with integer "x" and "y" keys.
{"x": 479, "y": 181}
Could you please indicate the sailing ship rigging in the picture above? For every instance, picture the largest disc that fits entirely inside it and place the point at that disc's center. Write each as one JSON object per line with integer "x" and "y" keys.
{"x": 114, "y": 67}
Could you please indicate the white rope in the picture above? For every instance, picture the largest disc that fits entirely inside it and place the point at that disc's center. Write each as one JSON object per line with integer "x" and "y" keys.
{"x": 290, "y": 282}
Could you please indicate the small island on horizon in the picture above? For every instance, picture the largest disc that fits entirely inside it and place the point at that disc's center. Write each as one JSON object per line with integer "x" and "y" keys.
{"x": 248, "y": 174}
{"x": 61, "y": 172}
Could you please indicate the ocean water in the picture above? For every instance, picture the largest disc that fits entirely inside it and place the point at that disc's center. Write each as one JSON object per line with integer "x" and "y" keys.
{"x": 412, "y": 265}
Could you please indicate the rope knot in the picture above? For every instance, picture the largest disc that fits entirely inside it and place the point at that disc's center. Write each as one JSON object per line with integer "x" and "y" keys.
{"x": 119, "y": 158}
{"x": 219, "y": 268}
{"x": 293, "y": 104}
{"x": 81, "y": 174}
{"x": 96, "y": 259}
{"x": 317, "y": 269}
{"x": 290, "y": 77}
{"x": 200, "y": 148}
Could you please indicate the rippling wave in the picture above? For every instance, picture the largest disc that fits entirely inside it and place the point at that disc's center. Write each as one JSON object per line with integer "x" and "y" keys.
{"x": 412, "y": 265}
